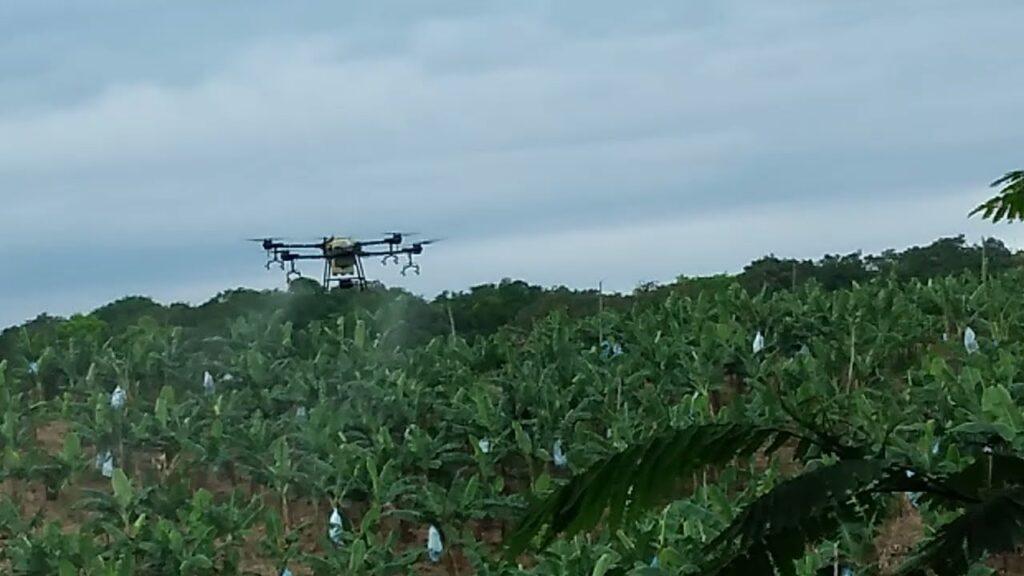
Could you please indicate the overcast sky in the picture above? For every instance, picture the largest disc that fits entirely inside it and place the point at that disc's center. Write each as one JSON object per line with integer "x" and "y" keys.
{"x": 563, "y": 142}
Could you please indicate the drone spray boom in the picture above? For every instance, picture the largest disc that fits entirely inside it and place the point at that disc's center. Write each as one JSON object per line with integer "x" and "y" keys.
{"x": 342, "y": 256}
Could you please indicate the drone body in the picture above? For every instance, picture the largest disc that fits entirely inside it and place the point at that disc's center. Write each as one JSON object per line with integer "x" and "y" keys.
{"x": 342, "y": 256}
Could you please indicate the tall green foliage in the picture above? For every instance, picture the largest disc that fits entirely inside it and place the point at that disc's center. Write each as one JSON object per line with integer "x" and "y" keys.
{"x": 351, "y": 409}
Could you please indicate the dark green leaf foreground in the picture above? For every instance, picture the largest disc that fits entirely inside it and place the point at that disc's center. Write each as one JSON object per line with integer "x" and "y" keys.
{"x": 994, "y": 525}
{"x": 770, "y": 534}
{"x": 1008, "y": 205}
{"x": 775, "y": 530}
{"x": 637, "y": 478}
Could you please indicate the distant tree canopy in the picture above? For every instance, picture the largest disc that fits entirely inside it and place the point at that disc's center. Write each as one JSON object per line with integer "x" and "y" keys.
{"x": 511, "y": 304}
{"x": 943, "y": 257}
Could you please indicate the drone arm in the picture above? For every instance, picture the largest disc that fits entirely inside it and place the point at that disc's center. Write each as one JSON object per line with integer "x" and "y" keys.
{"x": 374, "y": 242}
{"x": 300, "y": 246}
{"x": 292, "y": 257}
{"x": 407, "y": 250}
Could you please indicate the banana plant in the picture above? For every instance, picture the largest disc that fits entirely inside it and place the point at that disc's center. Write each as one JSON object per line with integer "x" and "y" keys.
{"x": 849, "y": 486}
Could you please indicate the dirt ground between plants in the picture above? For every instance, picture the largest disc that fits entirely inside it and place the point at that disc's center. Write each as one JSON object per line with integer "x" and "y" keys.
{"x": 897, "y": 538}
{"x": 31, "y": 499}
{"x": 895, "y": 541}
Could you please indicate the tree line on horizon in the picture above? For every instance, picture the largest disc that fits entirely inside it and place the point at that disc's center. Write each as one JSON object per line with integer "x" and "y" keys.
{"x": 515, "y": 304}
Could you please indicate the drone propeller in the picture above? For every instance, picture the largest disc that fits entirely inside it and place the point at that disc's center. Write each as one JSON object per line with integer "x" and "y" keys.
{"x": 267, "y": 244}
{"x": 394, "y": 238}
{"x": 269, "y": 241}
{"x": 428, "y": 242}
{"x": 266, "y": 238}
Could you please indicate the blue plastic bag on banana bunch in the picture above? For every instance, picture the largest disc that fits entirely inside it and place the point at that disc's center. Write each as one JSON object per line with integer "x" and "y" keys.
{"x": 208, "y": 385}
{"x": 758, "y": 344}
{"x": 913, "y": 497}
{"x": 485, "y": 445}
{"x": 971, "y": 341}
{"x": 336, "y": 526}
{"x": 107, "y": 465}
{"x": 117, "y": 398}
{"x": 610, "y": 350}
{"x": 558, "y": 455}
{"x": 434, "y": 545}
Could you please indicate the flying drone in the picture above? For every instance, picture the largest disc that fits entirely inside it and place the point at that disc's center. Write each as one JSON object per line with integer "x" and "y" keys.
{"x": 343, "y": 256}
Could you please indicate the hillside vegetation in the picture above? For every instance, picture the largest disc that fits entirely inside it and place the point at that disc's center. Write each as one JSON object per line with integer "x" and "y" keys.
{"x": 513, "y": 304}
{"x": 219, "y": 439}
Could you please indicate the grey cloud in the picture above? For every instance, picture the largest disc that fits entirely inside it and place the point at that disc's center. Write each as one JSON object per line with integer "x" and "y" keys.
{"x": 486, "y": 123}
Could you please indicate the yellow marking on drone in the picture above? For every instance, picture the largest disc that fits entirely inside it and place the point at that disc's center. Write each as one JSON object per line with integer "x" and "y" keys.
{"x": 342, "y": 256}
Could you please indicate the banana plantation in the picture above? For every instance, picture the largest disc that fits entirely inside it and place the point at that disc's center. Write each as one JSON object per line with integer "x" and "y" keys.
{"x": 868, "y": 430}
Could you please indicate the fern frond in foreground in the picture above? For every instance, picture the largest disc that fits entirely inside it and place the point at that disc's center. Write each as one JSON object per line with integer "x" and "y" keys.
{"x": 770, "y": 534}
{"x": 993, "y": 526}
{"x": 635, "y": 479}
{"x": 1009, "y": 203}
{"x": 776, "y": 529}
